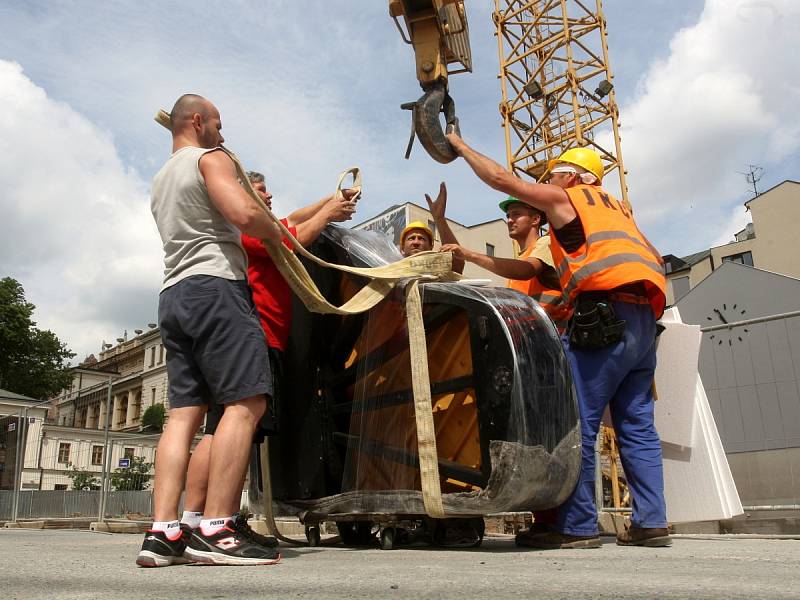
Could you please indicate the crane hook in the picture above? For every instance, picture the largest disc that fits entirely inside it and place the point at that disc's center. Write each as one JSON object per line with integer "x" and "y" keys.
{"x": 425, "y": 122}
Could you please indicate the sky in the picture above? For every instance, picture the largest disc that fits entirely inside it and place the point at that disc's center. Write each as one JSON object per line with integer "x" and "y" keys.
{"x": 306, "y": 89}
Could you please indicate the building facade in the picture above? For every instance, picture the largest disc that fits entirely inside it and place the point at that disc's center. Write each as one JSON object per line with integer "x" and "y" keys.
{"x": 768, "y": 243}
{"x": 136, "y": 371}
{"x": 751, "y": 374}
{"x": 53, "y": 452}
{"x": 115, "y": 390}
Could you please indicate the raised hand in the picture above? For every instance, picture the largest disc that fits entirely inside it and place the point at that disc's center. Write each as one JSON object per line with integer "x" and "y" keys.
{"x": 340, "y": 208}
{"x": 439, "y": 206}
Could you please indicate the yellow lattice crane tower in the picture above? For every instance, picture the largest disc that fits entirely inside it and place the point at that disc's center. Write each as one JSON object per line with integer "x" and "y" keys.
{"x": 556, "y": 83}
{"x": 558, "y": 94}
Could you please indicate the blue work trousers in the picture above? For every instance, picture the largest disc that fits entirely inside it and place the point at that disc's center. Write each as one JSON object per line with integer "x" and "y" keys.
{"x": 620, "y": 375}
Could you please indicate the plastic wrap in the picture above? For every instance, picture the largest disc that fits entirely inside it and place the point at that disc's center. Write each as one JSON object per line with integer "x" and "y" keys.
{"x": 504, "y": 407}
{"x": 364, "y": 248}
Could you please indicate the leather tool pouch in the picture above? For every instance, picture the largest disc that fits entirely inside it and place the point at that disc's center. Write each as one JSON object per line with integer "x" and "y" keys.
{"x": 594, "y": 324}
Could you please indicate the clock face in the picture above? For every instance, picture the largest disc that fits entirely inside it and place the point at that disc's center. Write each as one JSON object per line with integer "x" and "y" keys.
{"x": 724, "y": 315}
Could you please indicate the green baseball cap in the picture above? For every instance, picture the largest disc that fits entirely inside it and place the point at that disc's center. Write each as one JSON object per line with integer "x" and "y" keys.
{"x": 510, "y": 200}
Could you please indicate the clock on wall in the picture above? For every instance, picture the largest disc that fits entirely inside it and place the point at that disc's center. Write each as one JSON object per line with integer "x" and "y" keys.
{"x": 724, "y": 315}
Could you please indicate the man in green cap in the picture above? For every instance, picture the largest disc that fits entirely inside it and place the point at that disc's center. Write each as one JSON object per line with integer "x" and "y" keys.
{"x": 532, "y": 273}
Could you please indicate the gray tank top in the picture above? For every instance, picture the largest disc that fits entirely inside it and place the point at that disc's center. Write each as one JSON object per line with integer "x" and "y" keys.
{"x": 197, "y": 239}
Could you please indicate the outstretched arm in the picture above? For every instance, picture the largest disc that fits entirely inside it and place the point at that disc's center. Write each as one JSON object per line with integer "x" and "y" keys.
{"x": 437, "y": 209}
{"x": 230, "y": 198}
{"x": 551, "y": 199}
{"x": 510, "y": 268}
{"x": 335, "y": 210}
{"x": 301, "y": 215}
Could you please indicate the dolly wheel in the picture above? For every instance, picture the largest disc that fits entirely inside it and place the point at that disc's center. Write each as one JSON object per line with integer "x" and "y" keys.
{"x": 387, "y": 538}
{"x": 313, "y": 535}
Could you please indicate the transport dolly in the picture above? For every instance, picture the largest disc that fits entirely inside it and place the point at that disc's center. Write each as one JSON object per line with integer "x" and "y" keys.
{"x": 391, "y": 531}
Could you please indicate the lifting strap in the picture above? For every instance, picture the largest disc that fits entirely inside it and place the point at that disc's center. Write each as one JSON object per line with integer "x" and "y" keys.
{"x": 425, "y": 266}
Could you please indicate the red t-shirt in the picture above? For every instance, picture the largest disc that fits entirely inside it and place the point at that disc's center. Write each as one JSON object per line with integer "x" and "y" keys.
{"x": 271, "y": 293}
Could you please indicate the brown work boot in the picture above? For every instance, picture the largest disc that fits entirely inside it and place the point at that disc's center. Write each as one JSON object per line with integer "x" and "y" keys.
{"x": 554, "y": 540}
{"x": 653, "y": 537}
{"x": 525, "y": 535}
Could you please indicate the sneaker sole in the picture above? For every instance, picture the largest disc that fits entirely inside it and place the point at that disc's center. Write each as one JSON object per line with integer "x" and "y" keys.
{"x": 152, "y": 559}
{"x": 656, "y": 542}
{"x": 217, "y": 558}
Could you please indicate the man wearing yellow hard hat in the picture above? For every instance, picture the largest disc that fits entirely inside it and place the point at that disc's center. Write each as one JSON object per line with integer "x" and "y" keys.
{"x": 416, "y": 237}
{"x": 613, "y": 278}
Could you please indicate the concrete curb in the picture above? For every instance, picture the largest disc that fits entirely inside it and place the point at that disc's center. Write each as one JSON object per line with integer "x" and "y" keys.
{"x": 25, "y": 525}
{"x": 119, "y": 527}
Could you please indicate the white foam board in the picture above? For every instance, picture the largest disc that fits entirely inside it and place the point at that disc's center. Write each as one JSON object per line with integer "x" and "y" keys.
{"x": 676, "y": 372}
{"x": 698, "y": 484}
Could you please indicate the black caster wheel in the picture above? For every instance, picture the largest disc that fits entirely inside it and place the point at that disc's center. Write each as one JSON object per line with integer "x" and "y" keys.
{"x": 387, "y": 538}
{"x": 480, "y": 528}
{"x": 313, "y": 535}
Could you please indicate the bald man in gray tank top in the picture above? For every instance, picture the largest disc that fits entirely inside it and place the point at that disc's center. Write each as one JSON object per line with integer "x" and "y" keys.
{"x": 216, "y": 351}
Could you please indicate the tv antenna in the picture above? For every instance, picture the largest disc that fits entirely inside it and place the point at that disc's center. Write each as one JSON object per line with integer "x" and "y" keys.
{"x": 753, "y": 176}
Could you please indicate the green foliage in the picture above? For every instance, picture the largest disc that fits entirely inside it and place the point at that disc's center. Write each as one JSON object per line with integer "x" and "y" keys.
{"x": 154, "y": 416}
{"x": 134, "y": 478}
{"x": 32, "y": 362}
{"x": 83, "y": 480}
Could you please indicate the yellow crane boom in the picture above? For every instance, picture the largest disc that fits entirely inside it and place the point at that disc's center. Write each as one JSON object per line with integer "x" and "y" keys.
{"x": 439, "y": 33}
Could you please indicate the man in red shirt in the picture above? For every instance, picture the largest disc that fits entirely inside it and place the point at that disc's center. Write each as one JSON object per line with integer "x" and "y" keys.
{"x": 273, "y": 300}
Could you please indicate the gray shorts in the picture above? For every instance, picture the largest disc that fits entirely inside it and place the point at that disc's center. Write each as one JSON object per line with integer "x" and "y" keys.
{"x": 216, "y": 348}
{"x": 269, "y": 422}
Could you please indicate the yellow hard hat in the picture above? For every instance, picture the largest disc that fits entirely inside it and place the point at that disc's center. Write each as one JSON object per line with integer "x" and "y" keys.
{"x": 416, "y": 225}
{"x": 585, "y": 158}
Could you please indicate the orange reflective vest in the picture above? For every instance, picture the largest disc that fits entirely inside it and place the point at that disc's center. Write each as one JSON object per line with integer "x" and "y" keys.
{"x": 614, "y": 254}
{"x": 552, "y": 301}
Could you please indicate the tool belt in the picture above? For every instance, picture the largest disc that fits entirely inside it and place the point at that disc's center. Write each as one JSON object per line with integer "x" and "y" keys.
{"x": 594, "y": 324}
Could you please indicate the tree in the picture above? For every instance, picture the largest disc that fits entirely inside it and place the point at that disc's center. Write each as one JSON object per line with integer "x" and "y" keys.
{"x": 83, "y": 480}
{"x": 154, "y": 416}
{"x": 134, "y": 478}
{"x": 33, "y": 362}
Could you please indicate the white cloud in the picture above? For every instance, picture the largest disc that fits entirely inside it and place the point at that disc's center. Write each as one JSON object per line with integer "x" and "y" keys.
{"x": 724, "y": 98}
{"x": 735, "y": 223}
{"x": 76, "y": 228}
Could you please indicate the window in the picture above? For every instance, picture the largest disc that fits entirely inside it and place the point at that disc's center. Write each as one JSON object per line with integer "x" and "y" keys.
{"x": 680, "y": 287}
{"x": 128, "y": 453}
{"x": 152, "y": 356}
{"x": 160, "y": 353}
{"x": 122, "y": 415}
{"x": 152, "y": 396}
{"x": 97, "y": 455}
{"x": 744, "y": 258}
{"x": 489, "y": 249}
{"x": 60, "y": 487}
{"x": 63, "y": 453}
{"x": 137, "y": 406}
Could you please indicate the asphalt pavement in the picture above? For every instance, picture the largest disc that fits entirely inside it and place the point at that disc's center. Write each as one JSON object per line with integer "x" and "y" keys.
{"x": 82, "y": 564}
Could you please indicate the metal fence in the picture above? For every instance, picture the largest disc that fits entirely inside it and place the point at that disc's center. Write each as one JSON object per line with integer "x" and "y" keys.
{"x": 65, "y": 504}
{"x": 54, "y": 471}
{"x": 50, "y": 471}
